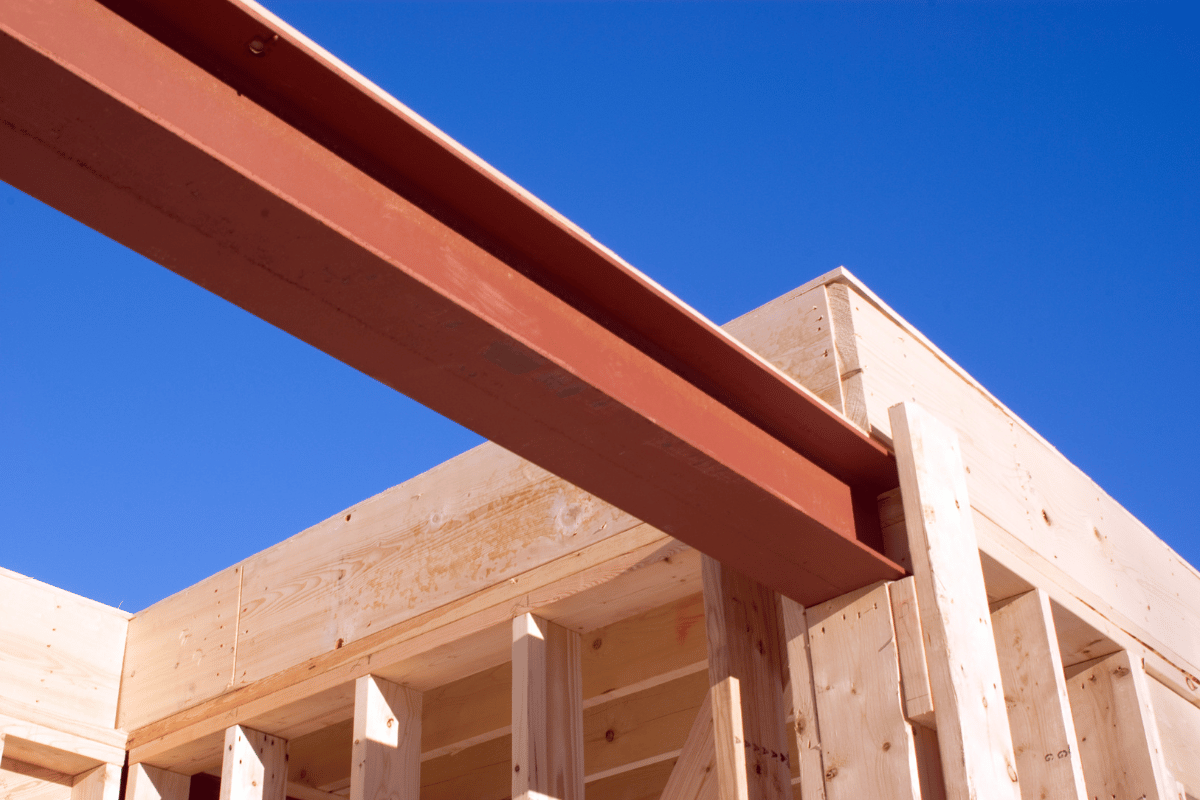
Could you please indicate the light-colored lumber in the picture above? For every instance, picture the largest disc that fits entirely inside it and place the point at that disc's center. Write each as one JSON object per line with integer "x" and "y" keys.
{"x": 694, "y": 776}
{"x": 547, "y": 711}
{"x": 21, "y": 781}
{"x": 795, "y": 333}
{"x": 101, "y": 783}
{"x": 1085, "y": 545}
{"x": 867, "y": 744}
{"x": 910, "y": 648}
{"x": 745, "y": 653}
{"x": 805, "y": 723}
{"x": 641, "y": 566}
{"x": 254, "y": 766}
{"x": 850, "y": 366}
{"x": 191, "y": 635}
{"x": 1179, "y": 731}
{"x": 387, "y": 741}
{"x": 1117, "y": 735}
{"x": 729, "y": 735}
{"x": 145, "y": 782}
{"x": 973, "y": 731}
{"x": 60, "y": 666}
{"x": 58, "y": 748}
{"x": 1035, "y": 692}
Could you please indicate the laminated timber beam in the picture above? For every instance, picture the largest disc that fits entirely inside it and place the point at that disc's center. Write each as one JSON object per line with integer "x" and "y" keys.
{"x": 216, "y": 141}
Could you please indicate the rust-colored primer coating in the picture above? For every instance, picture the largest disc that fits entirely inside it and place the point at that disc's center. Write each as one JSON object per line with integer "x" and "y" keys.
{"x": 286, "y": 187}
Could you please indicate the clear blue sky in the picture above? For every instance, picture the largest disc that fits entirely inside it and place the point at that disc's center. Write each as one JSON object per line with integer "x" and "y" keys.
{"x": 1022, "y": 182}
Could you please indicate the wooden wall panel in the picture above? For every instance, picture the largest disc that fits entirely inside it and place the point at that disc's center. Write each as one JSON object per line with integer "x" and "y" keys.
{"x": 1179, "y": 731}
{"x": 1084, "y": 542}
{"x": 60, "y": 663}
{"x": 181, "y": 650}
{"x": 474, "y": 521}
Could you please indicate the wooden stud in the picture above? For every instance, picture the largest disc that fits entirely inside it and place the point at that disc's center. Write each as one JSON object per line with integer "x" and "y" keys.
{"x": 1117, "y": 735}
{"x": 910, "y": 646}
{"x": 101, "y": 783}
{"x": 1035, "y": 692}
{"x": 547, "y": 711}
{"x": 745, "y": 669}
{"x": 868, "y": 744}
{"x": 804, "y": 704}
{"x": 964, "y": 673}
{"x": 145, "y": 782}
{"x": 694, "y": 775}
{"x": 387, "y": 741}
{"x": 254, "y": 765}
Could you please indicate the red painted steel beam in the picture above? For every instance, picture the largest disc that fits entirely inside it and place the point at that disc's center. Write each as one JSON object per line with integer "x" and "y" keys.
{"x": 288, "y": 186}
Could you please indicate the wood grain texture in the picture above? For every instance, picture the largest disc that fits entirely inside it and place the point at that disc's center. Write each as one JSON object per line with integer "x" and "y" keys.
{"x": 973, "y": 731}
{"x": 254, "y": 766}
{"x": 60, "y": 750}
{"x": 1085, "y": 544}
{"x": 190, "y": 635}
{"x": 745, "y": 650}
{"x": 21, "y": 781}
{"x": 386, "y": 754}
{"x": 809, "y": 765}
{"x": 694, "y": 775}
{"x": 1035, "y": 692}
{"x": 145, "y": 782}
{"x": 850, "y": 366}
{"x": 1117, "y": 734}
{"x": 867, "y": 744}
{"x": 547, "y": 711}
{"x": 1179, "y": 731}
{"x": 795, "y": 333}
{"x": 60, "y": 666}
{"x": 910, "y": 648}
{"x": 101, "y": 783}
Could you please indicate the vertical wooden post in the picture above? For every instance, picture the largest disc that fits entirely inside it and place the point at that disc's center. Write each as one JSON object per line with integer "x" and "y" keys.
{"x": 102, "y": 783}
{"x": 964, "y": 674}
{"x": 145, "y": 782}
{"x": 910, "y": 647}
{"x": 254, "y": 766}
{"x": 547, "y": 711}
{"x": 387, "y": 741}
{"x": 1035, "y": 691}
{"x": 1118, "y": 737}
{"x": 745, "y": 672}
{"x": 804, "y": 703}
{"x": 869, "y": 748}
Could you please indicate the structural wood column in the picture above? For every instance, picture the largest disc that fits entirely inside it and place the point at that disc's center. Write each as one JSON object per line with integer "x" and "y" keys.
{"x": 254, "y": 766}
{"x": 387, "y": 741}
{"x": 868, "y": 744}
{"x": 547, "y": 711}
{"x": 1118, "y": 737}
{"x": 102, "y": 783}
{"x": 804, "y": 703}
{"x": 745, "y": 671}
{"x": 1035, "y": 692}
{"x": 151, "y": 783}
{"x": 964, "y": 673}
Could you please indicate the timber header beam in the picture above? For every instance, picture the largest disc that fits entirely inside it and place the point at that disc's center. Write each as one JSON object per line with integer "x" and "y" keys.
{"x": 214, "y": 140}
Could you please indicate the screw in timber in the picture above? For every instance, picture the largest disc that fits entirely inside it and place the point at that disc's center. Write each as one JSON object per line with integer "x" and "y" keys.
{"x": 257, "y": 46}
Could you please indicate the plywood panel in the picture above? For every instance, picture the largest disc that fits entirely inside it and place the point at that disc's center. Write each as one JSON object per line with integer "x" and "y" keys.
{"x": 1179, "y": 731}
{"x": 60, "y": 665}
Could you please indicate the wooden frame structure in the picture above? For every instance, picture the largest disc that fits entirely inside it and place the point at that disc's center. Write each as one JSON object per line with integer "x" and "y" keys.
{"x": 487, "y": 630}
{"x": 804, "y": 556}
